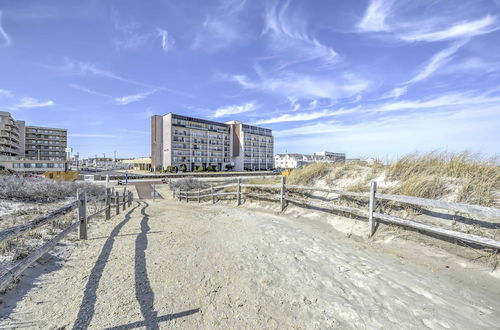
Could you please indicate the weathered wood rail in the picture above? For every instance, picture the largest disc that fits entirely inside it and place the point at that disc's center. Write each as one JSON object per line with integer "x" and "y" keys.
{"x": 283, "y": 196}
{"x": 111, "y": 200}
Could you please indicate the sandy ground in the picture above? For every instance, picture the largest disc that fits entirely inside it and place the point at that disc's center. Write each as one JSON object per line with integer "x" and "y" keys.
{"x": 168, "y": 264}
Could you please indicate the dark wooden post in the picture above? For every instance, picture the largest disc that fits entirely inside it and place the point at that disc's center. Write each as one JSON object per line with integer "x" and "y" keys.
{"x": 179, "y": 192}
{"x": 108, "y": 203}
{"x": 117, "y": 201}
{"x": 282, "y": 197}
{"x": 82, "y": 212}
{"x": 212, "y": 191}
{"x": 371, "y": 208}
{"x": 123, "y": 199}
{"x": 199, "y": 199}
{"x": 239, "y": 193}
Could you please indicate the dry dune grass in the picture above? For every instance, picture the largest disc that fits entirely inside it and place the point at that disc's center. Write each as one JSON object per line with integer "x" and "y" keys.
{"x": 308, "y": 174}
{"x": 461, "y": 177}
{"x": 434, "y": 175}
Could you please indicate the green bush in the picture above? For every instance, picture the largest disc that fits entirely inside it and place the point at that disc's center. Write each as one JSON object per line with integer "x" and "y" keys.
{"x": 229, "y": 167}
{"x": 200, "y": 169}
{"x": 183, "y": 168}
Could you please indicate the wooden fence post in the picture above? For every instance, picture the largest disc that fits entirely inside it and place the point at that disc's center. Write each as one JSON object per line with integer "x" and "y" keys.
{"x": 108, "y": 203}
{"x": 371, "y": 208}
{"x": 82, "y": 212}
{"x": 239, "y": 192}
{"x": 199, "y": 199}
{"x": 123, "y": 199}
{"x": 212, "y": 192}
{"x": 282, "y": 195}
{"x": 117, "y": 201}
{"x": 187, "y": 196}
{"x": 179, "y": 193}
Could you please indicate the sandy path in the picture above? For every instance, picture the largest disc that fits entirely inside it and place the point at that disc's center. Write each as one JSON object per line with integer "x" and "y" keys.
{"x": 175, "y": 265}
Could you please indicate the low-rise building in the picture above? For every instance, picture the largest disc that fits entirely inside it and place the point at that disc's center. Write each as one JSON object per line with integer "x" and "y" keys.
{"x": 138, "y": 164}
{"x": 291, "y": 160}
{"x": 294, "y": 160}
{"x": 22, "y": 164}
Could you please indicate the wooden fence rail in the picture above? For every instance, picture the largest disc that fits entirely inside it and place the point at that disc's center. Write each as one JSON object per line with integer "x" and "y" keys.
{"x": 80, "y": 203}
{"x": 282, "y": 191}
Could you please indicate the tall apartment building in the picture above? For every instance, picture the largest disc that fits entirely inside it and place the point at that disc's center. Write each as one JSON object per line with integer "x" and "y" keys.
{"x": 177, "y": 140}
{"x": 11, "y": 135}
{"x": 45, "y": 143}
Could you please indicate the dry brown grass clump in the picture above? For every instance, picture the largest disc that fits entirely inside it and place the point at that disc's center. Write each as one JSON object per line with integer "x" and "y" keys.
{"x": 425, "y": 174}
{"x": 308, "y": 174}
{"x": 424, "y": 186}
{"x": 444, "y": 164}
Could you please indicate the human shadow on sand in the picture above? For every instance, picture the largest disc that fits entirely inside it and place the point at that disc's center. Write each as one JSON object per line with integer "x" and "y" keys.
{"x": 87, "y": 306}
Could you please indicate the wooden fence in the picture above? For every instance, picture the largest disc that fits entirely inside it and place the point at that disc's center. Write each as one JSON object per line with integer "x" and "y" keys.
{"x": 112, "y": 200}
{"x": 284, "y": 195}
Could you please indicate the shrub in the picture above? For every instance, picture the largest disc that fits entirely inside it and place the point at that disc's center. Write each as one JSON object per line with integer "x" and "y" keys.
{"x": 229, "y": 167}
{"x": 200, "y": 169}
{"x": 183, "y": 167}
{"x": 187, "y": 184}
{"x": 211, "y": 168}
{"x": 37, "y": 189}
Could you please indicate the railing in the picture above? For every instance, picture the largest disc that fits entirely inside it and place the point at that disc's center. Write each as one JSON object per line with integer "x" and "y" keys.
{"x": 111, "y": 200}
{"x": 372, "y": 197}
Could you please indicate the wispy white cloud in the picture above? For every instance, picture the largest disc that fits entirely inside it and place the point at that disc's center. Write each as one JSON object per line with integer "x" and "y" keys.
{"x": 89, "y": 69}
{"x": 5, "y": 39}
{"x": 130, "y": 35}
{"x": 136, "y": 40}
{"x": 133, "y": 98}
{"x": 393, "y": 126}
{"x": 435, "y": 102}
{"x": 305, "y": 116}
{"x": 6, "y": 93}
{"x": 222, "y": 28}
{"x": 306, "y": 86}
{"x": 166, "y": 40}
{"x": 375, "y": 15}
{"x": 462, "y": 30}
{"x": 290, "y": 40}
{"x": 30, "y": 102}
{"x": 472, "y": 65}
{"x": 395, "y": 93}
{"x": 89, "y": 91}
{"x": 436, "y": 62}
{"x": 234, "y": 109}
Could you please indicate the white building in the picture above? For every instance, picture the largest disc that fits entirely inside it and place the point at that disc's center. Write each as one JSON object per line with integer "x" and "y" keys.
{"x": 291, "y": 160}
{"x": 294, "y": 160}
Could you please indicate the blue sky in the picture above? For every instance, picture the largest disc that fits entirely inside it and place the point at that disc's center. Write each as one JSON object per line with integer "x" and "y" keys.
{"x": 368, "y": 78}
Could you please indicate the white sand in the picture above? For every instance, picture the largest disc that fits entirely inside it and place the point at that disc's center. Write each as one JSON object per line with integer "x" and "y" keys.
{"x": 229, "y": 267}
